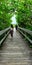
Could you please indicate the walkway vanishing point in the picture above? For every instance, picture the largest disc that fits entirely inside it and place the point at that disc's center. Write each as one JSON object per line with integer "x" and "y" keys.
{"x": 15, "y": 51}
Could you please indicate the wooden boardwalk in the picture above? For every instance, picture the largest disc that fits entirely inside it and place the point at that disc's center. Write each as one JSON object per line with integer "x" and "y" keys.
{"x": 15, "y": 51}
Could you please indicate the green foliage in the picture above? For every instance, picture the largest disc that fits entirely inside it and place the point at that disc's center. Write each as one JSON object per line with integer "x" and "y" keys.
{"x": 23, "y": 10}
{"x": 24, "y": 15}
{"x": 6, "y": 11}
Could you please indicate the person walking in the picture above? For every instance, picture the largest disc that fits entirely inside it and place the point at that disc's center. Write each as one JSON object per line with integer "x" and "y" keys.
{"x": 16, "y": 27}
{"x": 11, "y": 31}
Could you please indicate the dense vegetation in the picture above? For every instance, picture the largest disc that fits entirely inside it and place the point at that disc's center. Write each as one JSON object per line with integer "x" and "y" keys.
{"x": 23, "y": 10}
{"x": 6, "y": 12}
{"x": 24, "y": 15}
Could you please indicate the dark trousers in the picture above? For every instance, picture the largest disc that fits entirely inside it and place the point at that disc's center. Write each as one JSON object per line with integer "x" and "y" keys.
{"x": 11, "y": 33}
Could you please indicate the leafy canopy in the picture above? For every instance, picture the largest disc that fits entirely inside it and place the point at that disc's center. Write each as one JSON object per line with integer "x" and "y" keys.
{"x": 23, "y": 10}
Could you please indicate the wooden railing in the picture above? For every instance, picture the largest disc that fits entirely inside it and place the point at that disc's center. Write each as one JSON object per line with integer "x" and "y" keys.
{"x": 3, "y": 34}
{"x": 26, "y": 33}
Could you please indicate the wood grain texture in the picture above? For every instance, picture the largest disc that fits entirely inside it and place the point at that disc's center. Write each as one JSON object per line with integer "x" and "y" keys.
{"x": 15, "y": 51}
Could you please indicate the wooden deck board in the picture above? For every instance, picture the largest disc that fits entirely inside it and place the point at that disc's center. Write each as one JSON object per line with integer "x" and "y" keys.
{"x": 15, "y": 51}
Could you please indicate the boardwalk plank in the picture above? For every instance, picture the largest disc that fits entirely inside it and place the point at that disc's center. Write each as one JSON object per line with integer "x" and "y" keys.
{"x": 15, "y": 51}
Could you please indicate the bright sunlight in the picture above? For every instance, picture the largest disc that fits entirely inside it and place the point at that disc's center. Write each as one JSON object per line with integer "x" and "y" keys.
{"x": 14, "y": 19}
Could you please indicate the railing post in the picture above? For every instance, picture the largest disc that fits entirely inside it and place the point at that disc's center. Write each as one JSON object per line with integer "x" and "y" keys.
{"x": 6, "y": 32}
{"x": 25, "y": 33}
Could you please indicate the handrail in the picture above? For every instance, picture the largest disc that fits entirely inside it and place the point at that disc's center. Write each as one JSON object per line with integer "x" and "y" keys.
{"x": 22, "y": 30}
{"x": 4, "y": 32}
{"x": 26, "y": 30}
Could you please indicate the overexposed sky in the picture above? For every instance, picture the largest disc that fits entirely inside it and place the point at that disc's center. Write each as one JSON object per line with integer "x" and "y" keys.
{"x": 14, "y": 19}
